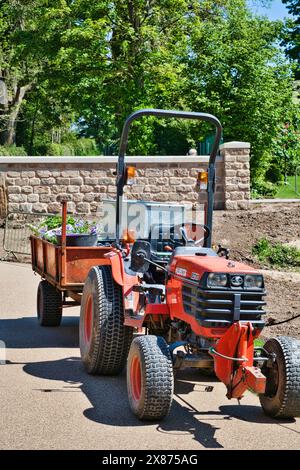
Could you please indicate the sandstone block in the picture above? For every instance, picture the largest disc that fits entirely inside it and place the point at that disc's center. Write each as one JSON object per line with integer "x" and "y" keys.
{"x": 83, "y": 207}
{"x": 41, "y": 190}
{"x": 86, "y": 189}
{"x": 34, "y": 181}
{"x": 25, "y": 207}
{"x": 48, "y": 181}
{"x": 64, "y": 181}
{"x": 33, "y": 198}
{"x": 13, "y": 190}
{"x": 70, "y": 173}
{"x": 16, "y": 198}
{"x": 27, "y": 189}
{"x": 54, "y": 207}
{"x": 73, "y": 189}
{"x": 28, "y": 174}
{"x": 43, "y": 173}
{"x": 76, "y": 181}
{"x": 38, "y": 207}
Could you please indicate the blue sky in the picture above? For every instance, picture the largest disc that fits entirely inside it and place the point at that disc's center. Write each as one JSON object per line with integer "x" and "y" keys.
{"x": 276, "y": 11}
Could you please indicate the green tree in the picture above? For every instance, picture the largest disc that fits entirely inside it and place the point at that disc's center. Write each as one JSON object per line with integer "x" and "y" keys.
{"x": 292, "y": 41}
{"x": 17, "y": 72}
{"x": 240, "y": 74}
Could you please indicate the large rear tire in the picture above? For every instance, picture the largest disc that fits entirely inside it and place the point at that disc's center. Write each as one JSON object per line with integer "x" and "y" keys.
{"x": 150, "y": 380}
{"x": 49, "y": 304}
{"x": 104, "y": 340}
{"x": 282, "y": 396}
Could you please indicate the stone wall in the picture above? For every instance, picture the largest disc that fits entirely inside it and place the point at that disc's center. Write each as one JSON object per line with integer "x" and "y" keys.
{"x": 39, "y": 184}
{"x": 236, "y": 157}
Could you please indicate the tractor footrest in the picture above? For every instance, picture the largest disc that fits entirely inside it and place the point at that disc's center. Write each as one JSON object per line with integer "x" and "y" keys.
{"x": 183, "y": 361}
{"x": 150, "y": 289}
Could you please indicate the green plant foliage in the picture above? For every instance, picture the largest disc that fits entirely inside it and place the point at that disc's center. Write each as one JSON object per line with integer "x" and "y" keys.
{"x": 274, "y": 174}
{"x": 86, "y": 65}
{"x": 261, "y": 189}
{"x": 276, "y": 254}
{"x": 292, "y": 37}
{"x": 51, "y": 227}
{"x": 12, "y": 150}
{"x": 55, "y": 221}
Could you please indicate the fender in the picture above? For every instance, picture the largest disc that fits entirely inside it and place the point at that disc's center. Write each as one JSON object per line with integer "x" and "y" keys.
{"x": 126, "y": 281}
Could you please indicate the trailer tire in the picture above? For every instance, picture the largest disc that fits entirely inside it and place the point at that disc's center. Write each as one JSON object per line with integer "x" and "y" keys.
{"x": 49, "y": 304}
{"x": 104, "y": 340}
{"x": 150, "y": 378}
{"x": 282, "y": 396}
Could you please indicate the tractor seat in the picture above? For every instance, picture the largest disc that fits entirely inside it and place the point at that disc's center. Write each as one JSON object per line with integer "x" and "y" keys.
{"x": 193, "y": 251}
{"x": 162, "y": 235}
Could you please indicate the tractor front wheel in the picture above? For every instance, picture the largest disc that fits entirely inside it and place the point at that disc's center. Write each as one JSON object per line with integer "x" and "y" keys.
{"x": 282, "y": 395}
{"x": 150, "y": 380}
{"x": 49, "y": 304}
{"x": 103, "y": 338}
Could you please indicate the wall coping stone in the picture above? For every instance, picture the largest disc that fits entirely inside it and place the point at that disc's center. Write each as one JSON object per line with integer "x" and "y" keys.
{"x": 106, "y": 159}
{"x": 235, "y": 145}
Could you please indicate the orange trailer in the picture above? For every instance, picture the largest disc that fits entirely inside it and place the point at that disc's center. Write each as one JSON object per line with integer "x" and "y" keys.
{"x": 64, "y": 270}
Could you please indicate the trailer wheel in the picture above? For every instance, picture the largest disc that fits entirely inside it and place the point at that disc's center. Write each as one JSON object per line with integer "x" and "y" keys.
{"x": 104, "y": 340}
{"x": 282, "y": 396}
{"x": 49, "y": 304}
{"x": 150, "y": 379}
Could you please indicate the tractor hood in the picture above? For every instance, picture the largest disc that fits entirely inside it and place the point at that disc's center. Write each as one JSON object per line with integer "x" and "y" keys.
{"x": 200, "y": 264}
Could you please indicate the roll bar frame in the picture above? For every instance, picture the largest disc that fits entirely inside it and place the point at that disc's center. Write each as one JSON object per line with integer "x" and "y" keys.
{"x": 121, "y": 168}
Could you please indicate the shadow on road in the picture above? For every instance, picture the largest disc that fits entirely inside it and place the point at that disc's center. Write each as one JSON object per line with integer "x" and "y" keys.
{"x": 108, "y": 395}
{"x": 108, "y": 398}
{"x": 23, "y": 333}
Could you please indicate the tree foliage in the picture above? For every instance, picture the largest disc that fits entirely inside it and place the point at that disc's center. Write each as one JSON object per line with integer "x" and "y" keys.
{"x": 87, "y": 65}
{"x": 292, "y": 40}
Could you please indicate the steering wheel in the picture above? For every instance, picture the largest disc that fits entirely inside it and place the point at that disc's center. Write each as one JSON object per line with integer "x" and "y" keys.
{"x": 190, "y": 241}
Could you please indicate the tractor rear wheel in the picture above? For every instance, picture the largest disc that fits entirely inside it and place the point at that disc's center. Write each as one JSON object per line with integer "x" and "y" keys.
{"x": 49, "y": 304}
{"x": 104, "y": 340}
{"x": 282, "y": 395}
{"x": 150, "y": 380}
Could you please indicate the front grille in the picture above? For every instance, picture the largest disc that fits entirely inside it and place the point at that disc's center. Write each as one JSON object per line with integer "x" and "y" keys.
{"x": 217, "y": 308}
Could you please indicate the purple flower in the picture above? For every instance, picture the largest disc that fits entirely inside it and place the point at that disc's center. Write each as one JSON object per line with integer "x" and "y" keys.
{"x": 79, "y": 223}
{"x": 70, "y": 228}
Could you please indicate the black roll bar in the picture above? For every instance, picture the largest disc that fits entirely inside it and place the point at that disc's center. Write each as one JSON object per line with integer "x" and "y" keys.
{"x": 211, "y": 166}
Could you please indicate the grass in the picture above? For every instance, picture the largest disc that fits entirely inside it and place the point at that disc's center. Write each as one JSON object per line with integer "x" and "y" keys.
{"x": 277, "y": 254}
{"x": 259, "y": 343}
{"x": 287, "y": 191}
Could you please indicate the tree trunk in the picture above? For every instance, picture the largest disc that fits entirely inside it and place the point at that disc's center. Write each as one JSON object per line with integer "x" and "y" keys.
{"x": 10, "y": 116}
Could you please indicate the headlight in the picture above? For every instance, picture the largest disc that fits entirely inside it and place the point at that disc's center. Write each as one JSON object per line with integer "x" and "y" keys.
{"x": 217, "y": 280}
{"x": 253, "y": 281}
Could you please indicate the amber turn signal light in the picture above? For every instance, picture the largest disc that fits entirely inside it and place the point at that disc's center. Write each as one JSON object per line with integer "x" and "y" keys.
{"x": 130, "y": 175}
{"x": 202, "y": 179}
{"x": 129, "y": 236}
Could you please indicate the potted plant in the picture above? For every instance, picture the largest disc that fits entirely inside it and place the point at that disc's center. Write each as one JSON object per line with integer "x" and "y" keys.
{"x": 78, "y": 232}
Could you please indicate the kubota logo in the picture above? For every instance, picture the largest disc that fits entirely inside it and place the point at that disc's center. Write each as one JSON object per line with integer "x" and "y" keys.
{"x": 236, "y": 281}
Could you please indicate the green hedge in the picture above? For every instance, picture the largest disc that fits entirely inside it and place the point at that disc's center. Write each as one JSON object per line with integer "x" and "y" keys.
{"x": 12, "y": 151}
{"x": 80, "y": 147}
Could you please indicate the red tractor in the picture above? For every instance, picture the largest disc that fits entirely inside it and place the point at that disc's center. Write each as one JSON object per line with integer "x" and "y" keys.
{"x": 191, "y": 306}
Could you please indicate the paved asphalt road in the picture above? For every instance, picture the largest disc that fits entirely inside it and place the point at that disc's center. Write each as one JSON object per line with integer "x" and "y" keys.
{"x": 49, "y": 402}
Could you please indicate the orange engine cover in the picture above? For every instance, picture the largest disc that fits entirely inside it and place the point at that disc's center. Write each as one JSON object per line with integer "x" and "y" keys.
{"x": 209, "y": 312}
